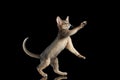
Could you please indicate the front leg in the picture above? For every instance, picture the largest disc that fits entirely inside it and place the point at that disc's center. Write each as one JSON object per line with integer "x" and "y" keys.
{"x": 75, "y": 30}
{"x": 71, "y": 48}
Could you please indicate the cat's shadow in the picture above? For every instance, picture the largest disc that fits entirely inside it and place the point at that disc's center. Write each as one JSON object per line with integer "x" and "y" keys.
{"x": 56, "y": 78}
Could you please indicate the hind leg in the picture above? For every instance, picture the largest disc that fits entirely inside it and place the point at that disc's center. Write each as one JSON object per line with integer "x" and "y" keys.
{"x": 55, "y": 64}
{"x": 44, "y": 63}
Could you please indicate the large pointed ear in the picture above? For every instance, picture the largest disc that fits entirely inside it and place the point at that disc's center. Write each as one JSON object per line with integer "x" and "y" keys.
{"x": 67, "y": 19}
{"x": 59, "y": 20}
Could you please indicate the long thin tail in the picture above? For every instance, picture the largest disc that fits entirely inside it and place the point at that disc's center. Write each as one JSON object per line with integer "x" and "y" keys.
{"x": 28, "y": 52}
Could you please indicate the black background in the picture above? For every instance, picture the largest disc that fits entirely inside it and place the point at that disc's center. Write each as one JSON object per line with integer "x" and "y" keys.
{"x": 39, "y": 24}
{"x": 43, "y": 30}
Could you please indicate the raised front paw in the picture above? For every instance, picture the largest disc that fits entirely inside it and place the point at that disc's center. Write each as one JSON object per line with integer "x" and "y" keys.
{"x": 83, "y": 23}
{"x": 80, "y": 56}
{"x": 84, "y": 57}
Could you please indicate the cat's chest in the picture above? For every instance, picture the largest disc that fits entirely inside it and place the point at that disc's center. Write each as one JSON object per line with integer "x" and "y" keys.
{"x": 58, "y": 45}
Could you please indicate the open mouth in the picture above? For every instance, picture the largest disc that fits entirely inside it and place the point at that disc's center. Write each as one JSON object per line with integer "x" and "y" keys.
{"x": 71, "y": 27}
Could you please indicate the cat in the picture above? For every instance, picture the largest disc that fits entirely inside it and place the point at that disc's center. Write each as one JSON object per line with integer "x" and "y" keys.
{"x": 62, "y": 41}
